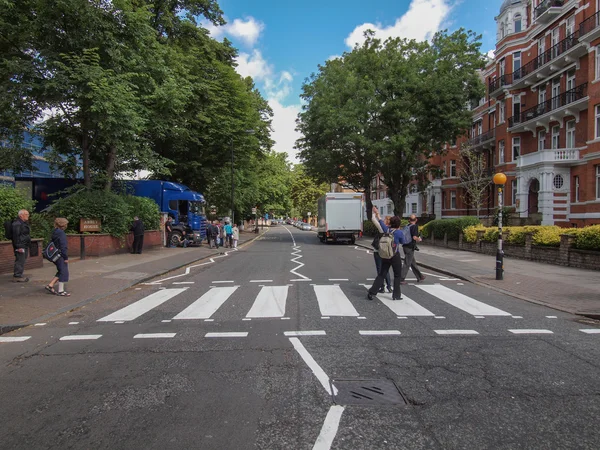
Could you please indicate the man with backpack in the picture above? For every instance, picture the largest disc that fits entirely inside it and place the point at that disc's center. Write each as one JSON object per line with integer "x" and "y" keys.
{"x": 409, "y": 250}
{"x": 389, "y": 247}
{"x": 375, "y": 245}
{"x": 19, "y": 232}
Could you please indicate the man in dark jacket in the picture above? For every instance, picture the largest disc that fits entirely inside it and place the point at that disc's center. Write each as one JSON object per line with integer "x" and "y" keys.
{"x": 409, "y": 251}
{"x": 21, "y": 240}
{"x": 138, "y": 235}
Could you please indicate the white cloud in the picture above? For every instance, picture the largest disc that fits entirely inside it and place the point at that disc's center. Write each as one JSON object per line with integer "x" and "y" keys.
{"x": 491, "y": 54}
{"x": 422, "y": 20}
{"x": 284, "y": 128}
{"x": 254, "y": 65}
{"x": 248, "y": 31}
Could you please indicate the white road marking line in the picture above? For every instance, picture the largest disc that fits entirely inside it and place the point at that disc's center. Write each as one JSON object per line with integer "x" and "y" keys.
{"x": 270, "y": 302}
{"x": 261, "y": 281}
{"x": 285, "y": 318}
{"x": 468, "y": 260}
{"x": 551, "y": 317}
{"x": 73, "y": 323}
{"x": 439, "y": 317}
{"x": 231, "y": 334}
{"x": 449, "y": 279}
{"x": 246, "y": 318}
{"x": 325, "y": 318}
{"x": 333, "y": 302}
{"x": 338, "y": 279}
{"x": 154, "y": 335}
{"x": 80, "y": 337}
{"x": 305, "y": 333}
{"x": 312, "y": 364}
{"x": 455, "y": 332}
{"x": 517, "y": 317}
{"x": 14, "y": 338}
{"x": 402, "y": 317}
{"x": 207, "y": 305}
{"x": 166, "y": 321}
{"x": 480, "y": 317}
{"x": 370, "y": 279}
{"x": 119, "y": 321}
{"x": 302, "y": 279}
{"x": 40, "y": 324}
{"x": 362, "y": 318}
{"x": 591, "y": 330}
{"x": 404, "y": 307}
{"x": 461, "y": 301}
{"x": 379, "y": 332}
{"x": 460, "y": 284}
{"x": 217, "y": 282}
{"x": 138, "y": 289}
{"x": 142, "y": 306}
{"x": 530, "y": 331}
{"x": 209, "y": 320}
{"x": 330, "y": 428}
{"x": 183, "y": 282}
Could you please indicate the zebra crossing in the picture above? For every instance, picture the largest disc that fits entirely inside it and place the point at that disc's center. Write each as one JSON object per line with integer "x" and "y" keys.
{"x": 271, "y": 302}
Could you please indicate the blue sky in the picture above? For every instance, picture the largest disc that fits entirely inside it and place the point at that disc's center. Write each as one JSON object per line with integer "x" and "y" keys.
{"x": 281, "y": 43}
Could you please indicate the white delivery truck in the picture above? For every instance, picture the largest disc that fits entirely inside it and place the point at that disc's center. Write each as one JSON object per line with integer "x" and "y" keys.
{"x": 340, "y": 217}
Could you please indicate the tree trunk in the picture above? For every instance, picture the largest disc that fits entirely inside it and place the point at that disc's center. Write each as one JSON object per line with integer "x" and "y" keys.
{"x": 110, "y": 167}
{"x": 369, "y": 202}
{"x": 85, "y": 156}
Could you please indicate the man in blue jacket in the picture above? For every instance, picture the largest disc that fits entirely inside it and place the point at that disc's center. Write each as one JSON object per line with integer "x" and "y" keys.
{"x": 395, "y": 262}
{"x": 21, "y": 240}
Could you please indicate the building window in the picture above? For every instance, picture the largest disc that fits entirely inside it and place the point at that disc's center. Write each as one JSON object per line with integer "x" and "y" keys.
{"x": 513, "y": 192}
{"x": 558, "y": 181}
{"x": 501, "y": 30}
{"x": 452, "y": 199}
{"x": 516, "y": 147}
{"x": 541, "y": 140}
{"x": 555, "y": 137}
{"x": 542, "y": 94}
{"x": 597, "y": 182}
{"x": 381, "y": 195}
{"x": 576, "y": 183}
{"x": 453, "y": 168}
{"x": 413, "y": 208}
{"x": 445, "y": 169}
{"x": 570, "y": 134}
{"x": 374, "y": 196}
{"x": 517, "y": 65}
{"x": 597, "y": 121}
{"x": 597, "y": 62}
{"x": 518, "y": 23}
{"x": 501, "y": 118}
{"x": 501, "y": 152}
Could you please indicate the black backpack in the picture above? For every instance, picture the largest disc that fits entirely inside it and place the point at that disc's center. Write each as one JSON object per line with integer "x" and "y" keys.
{"x": 375, "y": 243}
{"x": 8, "y": 234}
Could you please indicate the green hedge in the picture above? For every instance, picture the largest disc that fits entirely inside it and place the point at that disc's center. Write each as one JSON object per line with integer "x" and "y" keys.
{"x": 369, "y": 228}
{"x": 453, "y": 227}
{"x": 11, "y": 202}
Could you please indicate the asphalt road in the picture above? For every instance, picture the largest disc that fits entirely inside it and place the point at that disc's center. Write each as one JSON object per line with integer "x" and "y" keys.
{"x": 275, "y": 346}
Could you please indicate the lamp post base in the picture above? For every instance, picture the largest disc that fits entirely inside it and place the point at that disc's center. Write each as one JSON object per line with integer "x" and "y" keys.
{"x": 499, "y": 265}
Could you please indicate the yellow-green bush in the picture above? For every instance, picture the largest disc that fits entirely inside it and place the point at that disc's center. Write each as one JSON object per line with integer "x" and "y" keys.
{"x": 588, "y": 238}
{"x": 470, "y": 233}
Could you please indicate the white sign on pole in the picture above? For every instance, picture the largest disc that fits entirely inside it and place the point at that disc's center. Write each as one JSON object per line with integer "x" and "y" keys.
{"x": 308, "y": 213}
{"x": 253, "y": 210}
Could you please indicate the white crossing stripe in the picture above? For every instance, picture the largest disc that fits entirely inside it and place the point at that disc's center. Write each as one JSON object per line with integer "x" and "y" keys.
{"x": 270, "y": 302}
{"x": 591, "y": 330}
{"x": 14, "y": 338}
{"x": 405, "y": 307}
{"x": 379, "y": 332}
{"x": 526, "y": 331}
{"x": 154, "y": 335}
{"x": 232, "y": 334}
{"x": 208, "y": 304}
{"x": 305, "y": 333}
{"x": 81, "y": 337}
{"x": 142, "y": 306}
{"x": 455, "y": 332}
{"x": 461, "y": 301}
{"x": 333, "y": 302}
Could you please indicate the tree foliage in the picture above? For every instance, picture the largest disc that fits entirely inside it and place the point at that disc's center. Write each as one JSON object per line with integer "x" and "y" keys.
{"x": 386, "y": 107}
{"x": 474, "y": 177}
{"x": 305, "y": 192}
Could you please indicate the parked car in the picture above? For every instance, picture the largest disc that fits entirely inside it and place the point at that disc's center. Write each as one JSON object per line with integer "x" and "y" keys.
{"x": 306, "y": 227}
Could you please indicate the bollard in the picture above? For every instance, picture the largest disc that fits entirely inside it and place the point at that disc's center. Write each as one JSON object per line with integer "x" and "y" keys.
{"x": 81, "y": 247}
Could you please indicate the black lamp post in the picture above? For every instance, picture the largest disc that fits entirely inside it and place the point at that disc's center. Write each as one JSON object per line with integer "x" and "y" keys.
{"x": 232, "y": 179}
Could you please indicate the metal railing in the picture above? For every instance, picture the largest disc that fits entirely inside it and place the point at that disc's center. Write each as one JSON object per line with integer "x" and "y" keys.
{"x": 478, "y": 140}
{"x": 541, "y": 60}
{"x": 589, "y": 24}
{"x": 545, "y": 5}
{"x": 552, "y": 104}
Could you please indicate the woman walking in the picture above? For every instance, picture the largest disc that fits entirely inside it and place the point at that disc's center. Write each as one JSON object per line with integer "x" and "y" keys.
{"x": 375, "y": 245}
{"x": 59, "y": 238}
{"x": 236, "y": 235}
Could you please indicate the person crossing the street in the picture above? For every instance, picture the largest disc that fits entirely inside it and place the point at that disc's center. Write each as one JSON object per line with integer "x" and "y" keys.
{"x": 376, "y": 256}
{"x": 409, "y": 251}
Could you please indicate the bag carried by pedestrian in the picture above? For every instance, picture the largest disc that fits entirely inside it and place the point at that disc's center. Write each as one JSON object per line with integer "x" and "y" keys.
{"x": 375, "y": 243}
{"x": 8, "y": 234}
{"x": 51, "y": 252}
{"x": 387, "y": 247}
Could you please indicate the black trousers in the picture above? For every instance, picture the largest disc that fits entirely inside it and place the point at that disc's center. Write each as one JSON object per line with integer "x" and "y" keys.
{"x": 388, "y": 281}
{"x": 20, "y": 259}
{"x": 410, "y": 263}
{"x": 396, "y": 264}
{"x": 138, "y": 243}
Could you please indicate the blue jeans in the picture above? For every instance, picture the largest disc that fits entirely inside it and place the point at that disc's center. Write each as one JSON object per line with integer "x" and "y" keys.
{"x": 388, "y": 281}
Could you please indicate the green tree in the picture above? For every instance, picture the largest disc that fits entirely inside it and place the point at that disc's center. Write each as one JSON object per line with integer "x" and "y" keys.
{"x": 305, "y": 192}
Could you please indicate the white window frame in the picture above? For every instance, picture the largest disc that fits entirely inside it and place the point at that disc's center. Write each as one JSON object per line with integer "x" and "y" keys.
{"x": 542, "y": 50}
{"x": 518, "y": 19}
{"x": 542, "y": 94}
{"x": 570, "y": 26}
{"x": 516, "y": 61}
{"x": 381, "y": 195}
{"x": 502, "y": 112}
{"x": 501, "y": 148}
{"x": 554, "y": 39}
{"x": 541, "y": 140}
{"x": 513, "y": 192}
{"x": 453, "y": 168}
{"x": 555, "y": 137}
{"x": 555, "y": 93}
{"x": 570, "y": 143}
{"x": 597, "y": 122}
{"x": 597, "y": 63}
{"x": 576, "y": 184}
{"x": 452, "y": 199}
{"x": 413, "y": 208}
{"x": 598, "y": 182}
{"x": 516, "y": 147}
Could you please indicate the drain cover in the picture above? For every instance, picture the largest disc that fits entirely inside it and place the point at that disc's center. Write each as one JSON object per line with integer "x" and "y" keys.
{"x": 367, "y": 393}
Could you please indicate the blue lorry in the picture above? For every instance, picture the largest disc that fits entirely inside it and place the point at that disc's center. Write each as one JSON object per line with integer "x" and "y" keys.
{"x": 186, "y": 207}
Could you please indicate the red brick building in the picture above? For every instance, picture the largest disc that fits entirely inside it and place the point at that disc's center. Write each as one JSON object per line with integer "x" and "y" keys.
{"x": 540, "y": 120}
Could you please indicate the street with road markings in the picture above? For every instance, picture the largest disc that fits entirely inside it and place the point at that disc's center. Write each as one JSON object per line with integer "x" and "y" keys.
{"x": 276, "y": 346}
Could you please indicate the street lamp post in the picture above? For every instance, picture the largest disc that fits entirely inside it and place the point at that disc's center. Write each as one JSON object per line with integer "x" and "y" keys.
{"x": 500, "y": 180}
{"x": 232, "y": 186}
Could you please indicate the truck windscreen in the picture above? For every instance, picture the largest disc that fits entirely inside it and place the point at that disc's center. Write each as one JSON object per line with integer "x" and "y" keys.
{"x": 197, "y": 208}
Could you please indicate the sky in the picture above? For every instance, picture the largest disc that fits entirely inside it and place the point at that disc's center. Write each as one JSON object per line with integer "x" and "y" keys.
{"x": 281, "y": 43}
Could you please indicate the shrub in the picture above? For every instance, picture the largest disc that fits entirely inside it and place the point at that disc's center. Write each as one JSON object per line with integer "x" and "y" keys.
{"x": 42, "y": 226}
{"x": 470, "y": 233}
{"x": 11, "y": 202}
{"x": 588, "y": 238}
{"x": 548, "y": 236}
{"x": 453, "y": 227}
{"x": 369, "y": 228}
{"x": 146, "y": 209}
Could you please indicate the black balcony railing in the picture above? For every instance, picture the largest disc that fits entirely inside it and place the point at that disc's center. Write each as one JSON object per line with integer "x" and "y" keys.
{"x": 484, "y": 137}
{"x": 554, "y": 103}
{"x": 541, "y": 60}
{"x": 545, "y": 5}
{"x": 589, "y": 24}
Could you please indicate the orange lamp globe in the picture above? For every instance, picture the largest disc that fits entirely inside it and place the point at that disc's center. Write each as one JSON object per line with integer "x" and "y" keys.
{"x": 500, "y": 178}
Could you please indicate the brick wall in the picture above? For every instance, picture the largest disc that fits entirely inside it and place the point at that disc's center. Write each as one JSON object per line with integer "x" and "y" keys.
{"x": 104, "y": 244}
{"x": 7, "y": 256}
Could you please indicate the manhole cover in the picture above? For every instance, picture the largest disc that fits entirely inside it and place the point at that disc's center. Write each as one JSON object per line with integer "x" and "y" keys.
{"x": 367, "y": 393}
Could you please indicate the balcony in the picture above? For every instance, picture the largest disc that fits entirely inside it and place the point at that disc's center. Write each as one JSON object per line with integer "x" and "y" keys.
{"x": 589, "y": 29}
{"x": 568, "y": 103}
{"x": 548, "y": 10}
{"x": 563, "y": 156}
{"x": 544, "y": 65}
{"x": 483, "y": 141}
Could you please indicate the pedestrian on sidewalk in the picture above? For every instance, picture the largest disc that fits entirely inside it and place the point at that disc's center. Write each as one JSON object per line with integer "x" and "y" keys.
{"x": 236, "y": 235}
{"x": 228, "y": 234}
{"x": 21, "y": 240}
{"x": 168, "y": 230}
{"x": 395, "y": 262}
{"x": 376, "y": 256}
{"x": 138, "y": 235}
{"x": 409, "y": 251}
{"x": 59, "y": 238}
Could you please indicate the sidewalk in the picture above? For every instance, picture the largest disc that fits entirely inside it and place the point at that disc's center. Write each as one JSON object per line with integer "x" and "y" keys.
{"x": 90, "y": 280}
{"x": 568, "y": 289}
